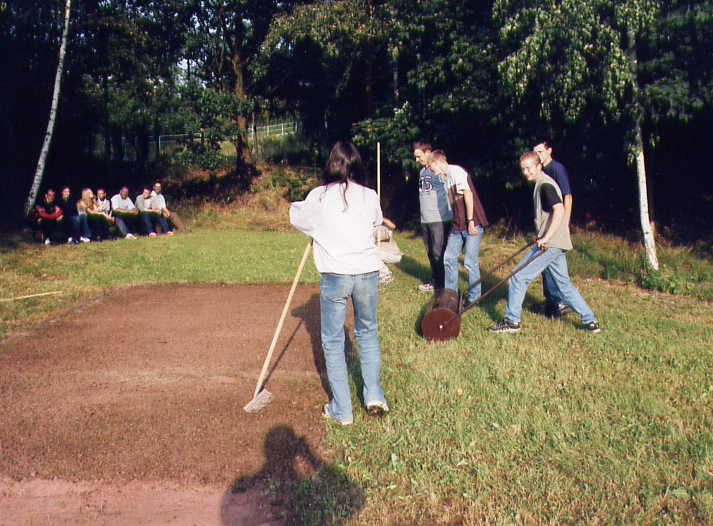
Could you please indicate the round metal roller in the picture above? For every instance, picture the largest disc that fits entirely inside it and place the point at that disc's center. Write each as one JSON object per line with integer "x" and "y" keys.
{"x": 442, "y": 321}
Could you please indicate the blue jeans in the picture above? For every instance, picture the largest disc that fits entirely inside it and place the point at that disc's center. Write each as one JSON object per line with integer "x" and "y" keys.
{"x": 335, "y": 289}
{"x": 82, "y": 225}
{"x": 456, "y": 241}
{"x": 149, "y": 219}
{"x": 554, "y": 261}
{"x": 549, "y": 289}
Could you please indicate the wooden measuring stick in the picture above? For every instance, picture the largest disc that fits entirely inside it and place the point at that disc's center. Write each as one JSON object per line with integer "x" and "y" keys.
{"x": 32, "y": 295}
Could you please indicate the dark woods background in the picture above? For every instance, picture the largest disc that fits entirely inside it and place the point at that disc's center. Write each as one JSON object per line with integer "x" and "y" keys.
{"x": 370, "y": 71}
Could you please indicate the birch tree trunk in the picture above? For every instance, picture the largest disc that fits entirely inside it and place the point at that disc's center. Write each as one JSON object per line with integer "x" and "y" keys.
{"x": 39, "y": 172}
{"x": 646, "y": 230}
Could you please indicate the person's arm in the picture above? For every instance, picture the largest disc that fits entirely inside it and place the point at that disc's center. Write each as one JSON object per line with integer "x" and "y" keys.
{"x": 556, "y": 218}
{"x": 388, "y": 223}
{"x": 468, "y": 198}
{"x": 567, "y": 207}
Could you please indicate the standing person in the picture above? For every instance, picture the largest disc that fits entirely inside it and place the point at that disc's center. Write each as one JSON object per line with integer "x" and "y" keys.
{"x": 159, "y": 203}
{"x": 70, "y": 220}
{"x": 556, "y": 170}
{"x": 125, "y": 213}
{"x": 340, "y": 216}
{"x": 552, "y": 237}
{"x": 469, "y": 220}
{"x": 48, "y": 215}
{"x": 436, "y": 216}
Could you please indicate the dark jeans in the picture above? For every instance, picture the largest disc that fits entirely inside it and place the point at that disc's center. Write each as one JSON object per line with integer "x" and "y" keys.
{"x": 435, "y": 237}
{"x": 148, "y": 221}
{"x": 128, "y": 223}
{"x": 99, "y": 225}
{"x": 75, "y": 226}
{"x": 50, "y": 229}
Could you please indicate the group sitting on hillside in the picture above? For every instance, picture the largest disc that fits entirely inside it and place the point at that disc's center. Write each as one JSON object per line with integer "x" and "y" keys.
{"x": 95, "y": 218}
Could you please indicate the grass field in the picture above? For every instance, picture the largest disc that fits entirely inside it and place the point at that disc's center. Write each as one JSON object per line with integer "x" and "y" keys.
{"x": 547, "y": 426}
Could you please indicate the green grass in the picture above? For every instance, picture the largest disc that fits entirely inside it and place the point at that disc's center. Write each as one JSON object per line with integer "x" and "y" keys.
{"x": 547, "y": 426}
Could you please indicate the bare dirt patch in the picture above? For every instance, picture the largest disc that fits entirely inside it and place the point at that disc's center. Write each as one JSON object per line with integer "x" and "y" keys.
{"x": 129, "y": 410}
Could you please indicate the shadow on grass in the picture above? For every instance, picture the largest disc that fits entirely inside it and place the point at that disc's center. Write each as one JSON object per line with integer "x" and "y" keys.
{"x": 302, "y": 488}
{"x": 310, "y": 316}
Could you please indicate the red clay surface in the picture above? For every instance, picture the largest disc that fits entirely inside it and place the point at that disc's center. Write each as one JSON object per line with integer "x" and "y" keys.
{"x": 129, "y": 410}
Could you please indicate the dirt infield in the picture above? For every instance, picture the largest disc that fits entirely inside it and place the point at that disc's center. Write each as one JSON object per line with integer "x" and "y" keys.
{"x": 129, "y": 409}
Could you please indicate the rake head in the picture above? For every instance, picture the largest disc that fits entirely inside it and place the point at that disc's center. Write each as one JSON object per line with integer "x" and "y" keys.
{"x": 259, "y": 401}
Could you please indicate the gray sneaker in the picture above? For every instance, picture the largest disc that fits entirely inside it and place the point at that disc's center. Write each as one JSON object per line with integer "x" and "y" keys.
{"x": 592, "y": 327}
{"x": 505, "y": 326}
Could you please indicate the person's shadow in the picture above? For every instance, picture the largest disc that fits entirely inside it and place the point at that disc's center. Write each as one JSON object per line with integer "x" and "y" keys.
{"x": 302, "y": 487}
{"x": 310, "y": 316}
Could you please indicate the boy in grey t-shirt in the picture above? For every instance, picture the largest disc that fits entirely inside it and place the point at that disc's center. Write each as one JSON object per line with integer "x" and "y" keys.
{"x": 436, "y": 216}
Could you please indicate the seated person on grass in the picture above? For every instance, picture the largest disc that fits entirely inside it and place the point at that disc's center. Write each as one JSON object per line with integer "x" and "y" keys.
{"x": 69, "y": 222}
{"x": 99, "y": 220}
{"x": 125, "y": 213}
{"x": 47, "y": 217}
{"x": 151, "y": 216}
{"x": 159, "y": 202}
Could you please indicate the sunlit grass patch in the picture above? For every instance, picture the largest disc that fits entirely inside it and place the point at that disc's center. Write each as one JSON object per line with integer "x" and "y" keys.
{"x": 550, "y": 425}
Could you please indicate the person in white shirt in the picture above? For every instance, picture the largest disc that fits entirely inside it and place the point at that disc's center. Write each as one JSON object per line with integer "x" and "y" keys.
{"x": 124, "y": 212}
{"x": 159, "y": 202}
{"x": 150, "y": 215}
{"x": 340, "y": 217}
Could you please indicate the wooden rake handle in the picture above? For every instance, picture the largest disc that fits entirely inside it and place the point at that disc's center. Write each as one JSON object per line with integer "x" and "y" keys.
{"x": 265, "y": 365}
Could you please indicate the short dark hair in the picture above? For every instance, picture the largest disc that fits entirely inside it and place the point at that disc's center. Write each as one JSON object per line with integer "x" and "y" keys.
{"x": 423, "y": 146}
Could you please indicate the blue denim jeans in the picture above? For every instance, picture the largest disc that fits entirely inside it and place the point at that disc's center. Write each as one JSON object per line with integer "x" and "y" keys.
{"x": 549, "y": 289}
{"x": 554, "y": 260}
{"x": 149, "y": 219}
{"x": 82, "y": 222}
{"x": 456, "y": 241}
{"x": 335, "y": 289}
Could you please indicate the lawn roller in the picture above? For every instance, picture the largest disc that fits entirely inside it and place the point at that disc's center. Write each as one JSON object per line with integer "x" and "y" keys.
{"x": 442, "y": 320}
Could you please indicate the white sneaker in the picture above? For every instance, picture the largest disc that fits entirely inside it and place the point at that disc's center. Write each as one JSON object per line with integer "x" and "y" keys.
{"x": 129, "y": 236}
{"x": 48, "y": 241}
{"x": 152, "y": 234}
{"x": 169, "y": 233}
{"x": 425, "y": 287}
{"x": 84, "y": 239}
{"x": 70, "y": 240}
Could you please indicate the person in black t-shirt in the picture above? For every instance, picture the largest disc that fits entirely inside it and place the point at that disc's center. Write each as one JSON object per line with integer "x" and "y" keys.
{"x": 556, "y": 170}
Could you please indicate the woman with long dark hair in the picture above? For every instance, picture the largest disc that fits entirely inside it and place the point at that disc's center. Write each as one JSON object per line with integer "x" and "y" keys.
{"x": 340, "y": 215}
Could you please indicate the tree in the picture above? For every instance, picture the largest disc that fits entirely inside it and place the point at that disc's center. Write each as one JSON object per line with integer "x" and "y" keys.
{"x": 32, "y": 197}
{"x": 580, "y": 53}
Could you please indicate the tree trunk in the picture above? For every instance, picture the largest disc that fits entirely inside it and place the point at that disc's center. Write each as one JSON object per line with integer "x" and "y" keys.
{"x": 647, "y": 231}
{"x": 649, "y": 241}
{"x": 39, "y": 172}
{"x": 242, "y": 148}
